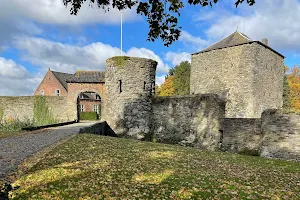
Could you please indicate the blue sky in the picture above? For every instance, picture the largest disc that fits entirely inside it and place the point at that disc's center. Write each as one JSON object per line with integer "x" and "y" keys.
{"x": 37, "y": 35}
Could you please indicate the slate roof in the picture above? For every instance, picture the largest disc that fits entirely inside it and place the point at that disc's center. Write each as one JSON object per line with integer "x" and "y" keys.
{"x": 234, "y": 39}
{"x": 62, "y": 78}
{"x": 87, "y": 77}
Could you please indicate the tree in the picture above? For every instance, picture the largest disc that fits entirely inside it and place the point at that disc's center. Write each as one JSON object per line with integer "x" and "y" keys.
{"x": 162, "y": 15}
{"x": 167, "y": 88}
{"x": 182, "y": 78}
{"x": 294, "y": 83}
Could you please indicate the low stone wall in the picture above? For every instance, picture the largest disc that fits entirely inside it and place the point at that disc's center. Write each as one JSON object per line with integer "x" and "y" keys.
{"x": 22, "y": 107}
{"x": 281, "y": 135}
{"x": 193, "y": 120}
{"x": 241, "y": 134}
{"x": 275, "y": 135}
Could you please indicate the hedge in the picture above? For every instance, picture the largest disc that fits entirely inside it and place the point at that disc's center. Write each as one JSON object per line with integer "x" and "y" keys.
{"x": 88, "y": 116}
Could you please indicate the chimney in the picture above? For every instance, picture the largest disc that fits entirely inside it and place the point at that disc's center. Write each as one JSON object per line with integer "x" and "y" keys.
{"x": 265, "y": 41}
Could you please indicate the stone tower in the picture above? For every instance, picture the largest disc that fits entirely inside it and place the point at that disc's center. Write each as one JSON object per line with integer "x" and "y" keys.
{"x": 129, "y": 84}
{"x": 248, "y": 73}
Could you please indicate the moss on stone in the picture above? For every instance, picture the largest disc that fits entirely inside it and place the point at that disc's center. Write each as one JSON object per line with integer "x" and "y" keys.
{"x": 120, "y": 61}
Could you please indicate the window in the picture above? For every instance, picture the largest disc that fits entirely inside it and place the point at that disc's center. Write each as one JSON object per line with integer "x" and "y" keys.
{"x": 57, "y": 92}
{"x": 120, "y": 85}
{"x": 95, "y": 108}
{"x": 42, "y": 92}
{"x": 97, "y": 97}
{"x": 81, "y": 108}
{"x": 144, "y": 85}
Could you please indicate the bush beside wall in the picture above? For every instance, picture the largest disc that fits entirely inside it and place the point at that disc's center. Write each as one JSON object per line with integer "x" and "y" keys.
{"x": 88, "y": 116}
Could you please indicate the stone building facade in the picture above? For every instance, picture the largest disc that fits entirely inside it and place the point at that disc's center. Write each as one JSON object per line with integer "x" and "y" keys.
{"x": 249, "y": 74}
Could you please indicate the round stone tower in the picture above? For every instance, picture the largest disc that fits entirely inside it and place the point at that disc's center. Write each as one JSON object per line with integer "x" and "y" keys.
{"x": 129, "y": 84}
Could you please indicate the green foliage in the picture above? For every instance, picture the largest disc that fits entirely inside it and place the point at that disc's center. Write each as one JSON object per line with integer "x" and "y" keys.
{"x": 120, "y": 61}
{"x": 15, "y": 125}
{"x": 286, "y": 93}
{"x": 177, "y": 82}
{"x": 88, "y": 116}
{"x": 1, "y": 113}
{"x": 182, "y": 78}
{"x": 162, "y": 16}
{"x": 41, "y": 113}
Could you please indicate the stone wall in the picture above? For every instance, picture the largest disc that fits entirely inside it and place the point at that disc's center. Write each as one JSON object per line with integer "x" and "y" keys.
{"x": 129, "y": 83}
{"x": 193, "y": 120}
{"x": 268, "y": 79}
{"x": 275, "y": 135}
{"x": 21, "y": 107}
{"x": 240, "y": 73}
{"x": 281, "y": 135}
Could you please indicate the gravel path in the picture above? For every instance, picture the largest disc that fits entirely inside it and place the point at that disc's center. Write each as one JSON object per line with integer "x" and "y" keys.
{"x": 13, "y": 150}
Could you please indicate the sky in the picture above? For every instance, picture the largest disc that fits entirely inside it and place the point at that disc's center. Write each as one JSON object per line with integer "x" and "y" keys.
{"x": 36, "y": 35}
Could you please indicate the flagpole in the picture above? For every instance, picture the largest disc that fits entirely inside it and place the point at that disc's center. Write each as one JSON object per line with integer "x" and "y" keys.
{"x": 121, "y": 32}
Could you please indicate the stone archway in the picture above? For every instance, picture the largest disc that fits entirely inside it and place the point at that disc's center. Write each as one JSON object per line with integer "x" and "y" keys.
{"x": 75, "y": 89}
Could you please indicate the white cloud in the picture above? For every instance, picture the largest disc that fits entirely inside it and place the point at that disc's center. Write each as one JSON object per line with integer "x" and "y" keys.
{"x": 15, "y": 79}
{"x": 159, "y": 80}
{"x": 177, "y": 58}
{"x": 146, "y": 53}
{"x": 24, "y": 17}
{"x": 273, "y": 19}
{"x": 191, "y": 41}
{"x": 69, "y": 58}
{"x": 54, "y": 12}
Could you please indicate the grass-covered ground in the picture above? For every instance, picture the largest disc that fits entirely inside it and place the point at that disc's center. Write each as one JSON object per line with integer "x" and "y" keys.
{"x": 97, "y": 167}
{"x": 5, "y": 134}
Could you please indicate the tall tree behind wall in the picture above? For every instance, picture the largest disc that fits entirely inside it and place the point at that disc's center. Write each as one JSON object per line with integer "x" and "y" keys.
{"x": 182, "y": 78}
{"x": 177, "y": 82}
{"x": 286, "y": 90}
{"x": 294, "y": 83}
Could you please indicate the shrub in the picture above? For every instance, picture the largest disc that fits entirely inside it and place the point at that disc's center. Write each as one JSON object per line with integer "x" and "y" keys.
{"x": 11, "y": 124}
{"x": 88, "y": 116}
{"x": 41, "y": 114}
{"x": 249, "y": 152}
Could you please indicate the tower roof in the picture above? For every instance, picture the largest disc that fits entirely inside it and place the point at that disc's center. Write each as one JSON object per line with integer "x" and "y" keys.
{"x": 234, "y": 39}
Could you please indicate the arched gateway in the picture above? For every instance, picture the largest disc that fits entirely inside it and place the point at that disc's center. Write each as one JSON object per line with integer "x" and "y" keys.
{"x": 86, "y": 82}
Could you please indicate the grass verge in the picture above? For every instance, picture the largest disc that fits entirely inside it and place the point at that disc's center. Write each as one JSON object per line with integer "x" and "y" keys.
{"x": 98, "y": 167}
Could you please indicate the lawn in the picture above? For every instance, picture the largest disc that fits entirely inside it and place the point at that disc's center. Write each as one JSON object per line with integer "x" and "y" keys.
{"x": 98, "y": 167}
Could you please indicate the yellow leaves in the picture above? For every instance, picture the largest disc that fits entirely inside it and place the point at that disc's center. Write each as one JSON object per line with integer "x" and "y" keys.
{"x": 167, "y": 88}
{"x": 153, "y": 178}
{"x": 160, "y": 154}
{"x": 294, "y": 83}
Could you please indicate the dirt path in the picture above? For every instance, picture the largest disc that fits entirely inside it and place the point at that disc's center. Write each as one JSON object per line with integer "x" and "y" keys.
{"x": 13, "y": 150}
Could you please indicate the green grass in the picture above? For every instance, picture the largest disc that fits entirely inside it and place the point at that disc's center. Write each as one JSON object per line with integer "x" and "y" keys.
{"x": 9, "y": 134}
{"x": 98, "y": 167}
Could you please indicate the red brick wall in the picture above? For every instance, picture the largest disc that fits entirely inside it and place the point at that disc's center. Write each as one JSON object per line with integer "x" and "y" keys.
{"x": 74, "y": 90}
{"x": 89, "y": 105}
{"x": 50, "y": 84}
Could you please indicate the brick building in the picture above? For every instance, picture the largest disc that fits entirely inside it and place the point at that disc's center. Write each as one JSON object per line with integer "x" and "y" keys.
{"x": 64, "y": 84}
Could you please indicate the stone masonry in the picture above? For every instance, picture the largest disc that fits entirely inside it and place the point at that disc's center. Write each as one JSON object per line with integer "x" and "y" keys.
{"x": 250, "y": 76}
{"x": 129, "y": 84}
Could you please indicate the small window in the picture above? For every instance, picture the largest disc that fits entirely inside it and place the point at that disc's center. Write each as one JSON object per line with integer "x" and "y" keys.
{"x": 120, "y": 85}
{"x": 81, "y": 108}
{"x": 97, "y": 97}
{"x": 57, "y": 92}
{"x": 42, "y": 92}
{"x": 144, "y": 85}
{"x": 95, "y": 108}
